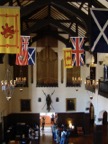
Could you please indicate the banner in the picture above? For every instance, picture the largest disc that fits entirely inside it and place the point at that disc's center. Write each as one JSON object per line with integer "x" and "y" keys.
{"x": 22, "y": 57}
{"x": 77, "y": 51}
{"x": 67, "y": 57}
{"x": 9, "y": 30}
{"x": 31, "y": 55}
{"x": 99, "y": 35}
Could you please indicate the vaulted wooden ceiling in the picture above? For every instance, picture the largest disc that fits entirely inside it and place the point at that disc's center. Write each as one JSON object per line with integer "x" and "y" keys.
{"x": 40, "y": 18}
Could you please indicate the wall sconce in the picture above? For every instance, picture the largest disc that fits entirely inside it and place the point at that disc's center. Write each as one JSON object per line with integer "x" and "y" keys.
{"x": 87, "y": 65}
{"x": 91, "y": 97}
{"x": 87, "y": 108}
{"x": 39, "y": 99}
{"x": 76, "y": 81}
{"x": 71, "y": 125}
{"x": 95, "y": 83}
{"x": 8, "y": 85}
{"x": 100, "y": 62}
{"x": 57, "y": 99}
{"x": 100, "y": 119}
{"x": 92, "y": 83}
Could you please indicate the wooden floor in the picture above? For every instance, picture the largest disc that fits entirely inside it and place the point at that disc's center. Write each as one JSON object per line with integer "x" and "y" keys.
{"x": 46, "y": 138}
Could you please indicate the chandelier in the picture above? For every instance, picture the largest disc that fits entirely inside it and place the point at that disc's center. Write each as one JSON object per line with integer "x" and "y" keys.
{"x": 8, "y": 85}
{"x": 76, "y": 80}
{"x": 20, "y": 80}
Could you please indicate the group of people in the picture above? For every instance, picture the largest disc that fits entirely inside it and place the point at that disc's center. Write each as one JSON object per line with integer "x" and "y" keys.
{"x": 33, "y": 133}
{"x": 60, "y": 134}
{"x": 54, "y": 119}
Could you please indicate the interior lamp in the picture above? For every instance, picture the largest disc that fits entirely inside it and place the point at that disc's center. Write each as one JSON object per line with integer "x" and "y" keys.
{"x": 20, "y": 80}
{"x": 8, "y": 85}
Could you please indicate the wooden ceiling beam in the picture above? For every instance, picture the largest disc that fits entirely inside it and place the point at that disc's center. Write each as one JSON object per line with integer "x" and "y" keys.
{"x": 33, "y": 7}
{"x": 72, "y": 10}
{"x": 97, "y": 4}
{"x": 18, "y": 2}
{"x": 49, "y": 33}
{"x": 45, "y": 22}
{"x": 71, "y": 17}
{"x": 2, "y": 2}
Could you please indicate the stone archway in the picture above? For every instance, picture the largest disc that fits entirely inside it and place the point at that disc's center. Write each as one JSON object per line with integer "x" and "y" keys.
{"x": 104, "y": 118}
{"x": 91, "y": 114}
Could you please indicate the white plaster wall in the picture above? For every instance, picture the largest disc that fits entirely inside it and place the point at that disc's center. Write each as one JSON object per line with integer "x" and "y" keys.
{"x": 4, "y": 104}
{"x": 32, "y": 92}
{"x": 63, "y": 92}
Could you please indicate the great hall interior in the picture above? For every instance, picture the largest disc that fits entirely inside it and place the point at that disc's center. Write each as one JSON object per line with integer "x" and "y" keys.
{"x": 79, "y": 95}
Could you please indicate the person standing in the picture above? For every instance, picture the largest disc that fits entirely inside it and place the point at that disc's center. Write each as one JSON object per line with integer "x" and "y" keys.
{"x": 54, "y": 131}
{"x": 58, "y": 135}
{"x": 64, "y": 137}
{"x": 43, "y": 122}
{"x": 52, "y": 119}
{"x": 56, "y": 119}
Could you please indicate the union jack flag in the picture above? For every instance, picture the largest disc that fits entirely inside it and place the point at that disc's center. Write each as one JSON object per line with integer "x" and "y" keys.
{"x": 77, "y": 51}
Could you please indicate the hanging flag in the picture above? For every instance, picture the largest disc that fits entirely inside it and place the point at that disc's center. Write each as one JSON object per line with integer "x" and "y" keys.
{"x": 22, "y": 57}
{"x": 9, "y": 30}
{"x": 67, "y": 57}
{"x": 77, "y": 51}
{"x": 31, "y": 55}
{"x": 99, "y": 35}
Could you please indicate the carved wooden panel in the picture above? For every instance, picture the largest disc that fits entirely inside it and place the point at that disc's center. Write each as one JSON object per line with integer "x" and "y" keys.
{"x": 89, "y": 86}
{"x": 31, "y": 73}
{"x": 103, "y": 88}
{"x": 105, "y": 72}
{"x": 21, "y": 71}
{"x": 47, "y": 41}
{"x": 93, "y": 73}
{"x": 62, "y": 71}
{"x": 73, "y": 76}
{"x": 47, "y": 68}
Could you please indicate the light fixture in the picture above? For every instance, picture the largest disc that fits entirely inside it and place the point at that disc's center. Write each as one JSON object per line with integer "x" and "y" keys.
{"x": 92, "y": 62}
{"x": 101, "y": 62}
{"x": 20, "y": 80}
{"x": 8, "y": 85}
{"x": 76, "y": 81}
{"x": 87, "y": 65}
{"x": 100, "y": 119}
{"x": 57, "y": 99}
{"x": 91, "y": 83}
{"x": 39, "y": 99}
{"x": 95, "y": 83}
{"x": 71, "y": 125}
{"x": 91, "y": 97}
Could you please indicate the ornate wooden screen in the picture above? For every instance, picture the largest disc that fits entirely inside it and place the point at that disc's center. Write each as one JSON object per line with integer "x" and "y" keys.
{"x": 73, "y": 76}
{"x": 47, "y": 68}
{"x": 21, "y": 71}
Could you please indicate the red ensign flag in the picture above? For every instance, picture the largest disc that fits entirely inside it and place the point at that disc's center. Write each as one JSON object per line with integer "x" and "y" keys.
{"x": 22, "y": 57}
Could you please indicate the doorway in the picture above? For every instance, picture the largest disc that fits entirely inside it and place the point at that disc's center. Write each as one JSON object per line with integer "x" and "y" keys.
{"x": 47, "y": 132}
{"x": 91, "y": 114}
{"x": 47, "y": 117}
{"x": 105, "y": 118}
